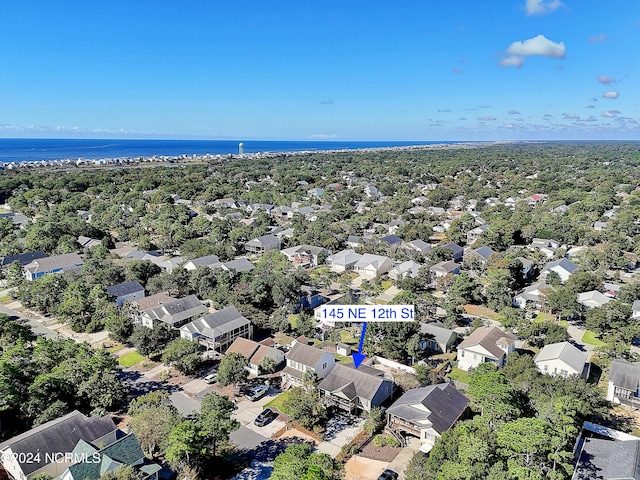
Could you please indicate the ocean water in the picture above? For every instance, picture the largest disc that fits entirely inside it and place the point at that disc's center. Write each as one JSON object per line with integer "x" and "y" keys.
{"x": 31, "y": 149}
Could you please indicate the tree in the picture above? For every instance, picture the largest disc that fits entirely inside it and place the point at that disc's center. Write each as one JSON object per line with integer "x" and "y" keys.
{"x": 119, "y": 325}
{"x": 125, "y": 472}
{"x": 298, "y": 461}
{"x": 267, "y": 365}
{"x": 152, "y": 341}
{"x": 423, "y": 373}
{"x": 233, "y": 370}
{"x": 489, "y": 387}
{"x": 525, "y": 443}
{"x": 186, "y": 444}
{"x": 153, "y": 418}
{"x": 375, "y": 420}
{"x": 184, "y": 355}
{"x": 215, "y": 419}
{"x": 303, "y": 405}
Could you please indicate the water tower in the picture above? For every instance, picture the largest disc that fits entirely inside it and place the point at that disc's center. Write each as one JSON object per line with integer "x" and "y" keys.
{"x": 241, "y": 149}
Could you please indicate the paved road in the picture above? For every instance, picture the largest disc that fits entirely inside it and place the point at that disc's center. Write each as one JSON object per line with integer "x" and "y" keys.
{"x": 37, "y": 327}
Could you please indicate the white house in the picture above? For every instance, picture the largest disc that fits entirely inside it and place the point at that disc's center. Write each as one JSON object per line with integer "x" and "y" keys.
{"x": 534, "y": 295}
{"x": 404, "y": 270}
{"x": 343, "y": 261}
{"x": 445, "y": 268}
{"x": 372, "y": 265}
{"x": 210, "y": 261}
{"x": 562, "y": 359}
{"x": 486, "y": 344}
{"x": 593, "y": 299}
{"x": 544, "y": 245}
{"x": 563, "y": 267}
{"x": 304, "y": 358}
{"x": 624, "y": 383}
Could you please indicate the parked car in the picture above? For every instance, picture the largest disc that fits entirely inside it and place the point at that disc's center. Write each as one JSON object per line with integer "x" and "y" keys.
{"x": 211, "y": 378}
{"x": 265, "y": 417}
{"x": 256, "y": 393}
{"x": 388, "y": 475}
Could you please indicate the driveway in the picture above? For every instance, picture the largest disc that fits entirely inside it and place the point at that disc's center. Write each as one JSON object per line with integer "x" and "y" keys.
{"x": 341, "y": 429}
{"x": 399, "y": 464}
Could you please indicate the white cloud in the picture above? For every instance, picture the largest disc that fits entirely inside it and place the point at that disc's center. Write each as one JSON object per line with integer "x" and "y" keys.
{"x": 597, "y": 38}
{"x": 322, "y": 136}
{"x": 513, "y": 112}
{"x": 605, "y": 79}
{"x": 540, "y": 7}
{"x": 570, "y": 116}
{"x": 610, "y": 113}
{"x": 539, "y": 45}
{"x": 611, "y": 95}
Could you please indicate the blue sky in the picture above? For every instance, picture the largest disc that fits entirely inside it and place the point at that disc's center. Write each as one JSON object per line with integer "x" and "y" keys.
{"x": 343, "y": 70}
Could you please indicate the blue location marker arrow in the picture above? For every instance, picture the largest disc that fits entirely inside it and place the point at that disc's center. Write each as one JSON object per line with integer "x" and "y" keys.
{"x": 358, "y": 358}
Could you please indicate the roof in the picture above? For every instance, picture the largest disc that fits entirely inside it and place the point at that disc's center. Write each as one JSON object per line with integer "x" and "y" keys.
{"x": 47, "y": 264}
{"x": 605, "y": 459}
{"x": 59, "y": 435}
{"x": 177, "y": 310}
{"x": 239, "y": 265}
{"x": 447, "y": 266}
{"x": 624, "y": 374}
{"x": 484, "y": 252}
{"x": 369, "y": 259}
{"x": 636, "y": 305}
{"x": 563, "y": 263}
{"x": 351, "y": 382}
{"x": 205, "y": 261}
{"x": 440, "y": 404}
{"x": 440, "y": 334}
{"x": 244, "y": 347}
{"x": 217, "y": 323}
{"x": 124, "y": 288}
{"x": 152, "y": 301}
{"x": 344, "y": 257}
{"x": 391, "y": 239}
{"x": 564, "y": 351}
{"x": 488, "y": 338}
{"x": 419, "y": 245}
{"x": 593, "y": 298}
{"x": 456, "y": 249}
{"x": 305, "y": 354}
{"x": 23, "y": 258}
{"x": 263, "y": 241}
{"x": 408, "y": 266}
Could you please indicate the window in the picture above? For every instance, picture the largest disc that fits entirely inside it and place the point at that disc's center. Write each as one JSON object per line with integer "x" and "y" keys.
{"x": 462, "y": 353}
{"x": 546, "y": 368}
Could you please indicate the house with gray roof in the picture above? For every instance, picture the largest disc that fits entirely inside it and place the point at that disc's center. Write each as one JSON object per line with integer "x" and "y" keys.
{"x": 436, "y": 338}
{"x": 209, "y": 261}
{"x": 305, "y": 255}
{"x": 355, "y": 389}
{"x": 419, "y": 246}
{"x": 624, "y": 383}
{"x": 562, "y": 359}
{"x": 485, "y": 344}
{"x": 97, "y": 458}
{"x": 126, "y": 292}
{"x": 445, "y": 268}
{"x": 405, "y": 270}
{"x": 18, "y": 454}
{"x": 533, "y": 296}
{"x": 219, "y": 329}
{"x": 372, "y": 265}
{"x": 545, "y": 245}
{"x": 303, "y": 358}
{"x": 482, "y": 254}
{"x": 563, "y": 267}
{"x": 262, "y": 244}
{"x": 175, "y": 313}
{"x": 56, "y": 264}
{"x": 456, "y": 250}
{"x": 237, "y": 265}
{"x": 593, "y": 299}
{"x": 476, "y": 233}
{"x": 343, "y": 261}
{"x": 603, "y": 453}
{"x": 427, "y": 412}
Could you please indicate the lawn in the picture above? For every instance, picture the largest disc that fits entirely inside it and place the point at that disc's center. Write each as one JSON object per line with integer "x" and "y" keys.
{"x": 130, "y": 359}
{"x": 115, "y": 348}
{"x": 460, "y": 375}
{"x": 592, "y": 339}
{"x": 387, "y": 284}
{"x": 293, "y": 320}
{"x": 5, "y": 299}
{"x": 480, "y": 311}
{"x": 542, "y": 317}
{"x": 278, "y": 401}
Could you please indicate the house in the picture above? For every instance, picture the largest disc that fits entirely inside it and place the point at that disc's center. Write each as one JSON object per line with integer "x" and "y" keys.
{"x": 86, "y": 242}
{"x": 559, "y": 210}
{"x": 343, "y": 261}
{"x": 593, "y": 299}
{"x": 476, "y": 233}
{"x": 624, "y": 383}
{"x": 486, "y": 344}
{"x": 456, "y": 250}
{"x": 237, "y": 265}
{"x": 311, "y": 297}
{"x": 427, "y": 412}
{"x": 22, "y": 258}
{"x": 391, "y": 240}
{"x": 126, "y": 292}
{"x": 354, "y": 389}
{"x": 599, "y": 226}
{"x": 404, "y": 270}
{"x": 482, "y": 254}
{"x": 210, "y": 261}
{"x": 353, "y": 241}
{"x": 563, "y": 267}
{"x": 534, "y": 295}
{"x": 445, "y": 268}
{"x": 603, "y": 453}
{"x": 48, "y": 265}
{"x": 635, "y": 310}
{"x": 527, "y": 267}
{"x": 303, "y": 358}
{"x": 437, "y": 338}
{"x": 546, "y": 246}
{"x": 419, "y": 200}
{"x": 108, "y": 454}
{"x": 533, "y": 200}
{"x": 436, "y": 211}
{"x": 562, "y": 359}
{"x": 219, "y": 329}
{"x": 372, "y": 192}
{"x": 17, "y": 455}
{"x": 343, "y": 349}
{"x": 305, "y": 255}
{"x": 262, "y": 244}
{"x": 175, "y": 313}
{"x": 372, "y": 265}
{"x": 419, "y": 246}
{"x": 255, "y": 353}
{"x": 316, "y": 192}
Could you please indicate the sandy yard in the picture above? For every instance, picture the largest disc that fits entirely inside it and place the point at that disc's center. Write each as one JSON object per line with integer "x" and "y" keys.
{"x": 359, "y": 468}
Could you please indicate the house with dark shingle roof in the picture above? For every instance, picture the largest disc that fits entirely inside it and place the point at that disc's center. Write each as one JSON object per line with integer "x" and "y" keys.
{"x": 22, "y": 258}
{"x": 303, "y": 358}
{"x": 18, "y": 454}
{"x": 210, "y": 261}
{"x": 126, "y": 292}
{"x": 48, "y": 265}
{"x": 563, "y": 267}
{"x": 94, "y": 459}
{"x": 486, "y": 344}
{"x": 219, "y": 329}
{"x": 427, "y": 412}
{"x": 355, "y": 389}
{"x": 624, "y": 383}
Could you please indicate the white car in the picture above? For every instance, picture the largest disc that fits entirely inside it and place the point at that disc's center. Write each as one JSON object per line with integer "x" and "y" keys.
{"x": 211, "y": 378}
